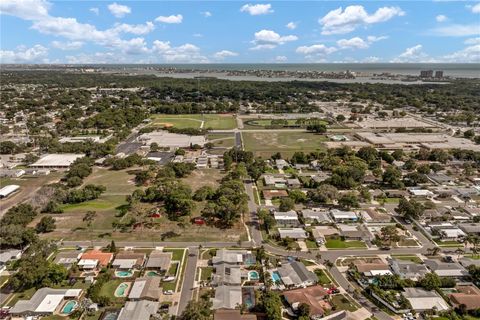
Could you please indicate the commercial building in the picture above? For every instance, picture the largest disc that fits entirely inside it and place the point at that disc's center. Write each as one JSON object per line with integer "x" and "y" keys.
{"x": 63, "y": 160}
{"x": 165, "y": 139}
{"x": 8, "y": 190}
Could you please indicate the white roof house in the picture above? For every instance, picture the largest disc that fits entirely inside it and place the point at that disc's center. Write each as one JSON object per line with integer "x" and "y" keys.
{"x": 422, "y": 300}
{"x": 421, "y": 192}
{"x": 287, "y": 215}
{"x": 8, "y": 190}
{"x": 339, "y": 215}
{"x": 294, "y": 233}
{"x": 453, "y": 233}
{"x": 88, "y": 263}
{"x": 44, "y": 301}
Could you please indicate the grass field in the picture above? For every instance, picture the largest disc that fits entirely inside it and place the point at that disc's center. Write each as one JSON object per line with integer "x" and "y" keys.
{"x": 340, "y": 244}
{"x": 213, "y": 121}
{"x": 206, "y": 273}
{"x": 414, "y": 259}
{"x": 343, "y": 303}
{"x": 264, "y": 144}
{"x": 322, "y": 277}
{"x": 222, "y": 140}
{"x": 262, "y": 123}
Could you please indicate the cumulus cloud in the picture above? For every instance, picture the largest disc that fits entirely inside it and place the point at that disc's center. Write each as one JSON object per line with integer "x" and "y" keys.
{"x": 224, "y": 54}
{"x": 456, "y": 30}
{"x": 340, "y": 21}
{"x": 137, "y": 29}
{"x": 98, "y": 57}
{"x": 119, "y": 10}
{"x": 412, "y": 54}
{"x": 358, "y": 43}
{"x": 371, "y": 59}
{"x": 72, "y": 45}
{"x": 95, "y": 10}
{"x": 291, "y": 25}
{"x": 441, "y": 18}
{"x": 475, "y": 8}
{"x": 257, "y": 9}
{"x": 316, "y": 49}
{"x": 468, "y": 54}
{"x": 24, "y": 54}
{"x": 170, "y": 19}
{"x": 281, "y": 59}
{"x": 206, "y": 14}
{"x": 473, "y": 41}
{"x": 26, "y": 9}
{"x": 269, "y": 39}
{"x": 184, "y": 53}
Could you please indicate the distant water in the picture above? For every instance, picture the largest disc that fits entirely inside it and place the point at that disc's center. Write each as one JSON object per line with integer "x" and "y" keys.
{"x": 460, "y": 70}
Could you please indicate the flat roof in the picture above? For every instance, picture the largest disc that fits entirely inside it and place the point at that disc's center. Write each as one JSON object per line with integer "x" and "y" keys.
{"x": 57, "y": 160}
{"x": 5, "y": 191}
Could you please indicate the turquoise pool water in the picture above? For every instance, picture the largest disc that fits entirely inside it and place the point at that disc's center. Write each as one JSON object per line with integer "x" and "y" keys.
{"x": 276, "y": 277}
{"x": 69, "y": 306}
{"x": 110, "y": 316}
{"x": 152, "y": 274}
{"x": 121, "y": 290}
{"x": 123, "y": 274}
{"x": 253, "y": 275}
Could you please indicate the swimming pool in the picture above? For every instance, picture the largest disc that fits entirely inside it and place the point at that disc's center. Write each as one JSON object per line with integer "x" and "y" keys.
{"x": 121, "y": 290}
{"x": 253, "y": 275}
{"x": 123, "y": 274}
{"x": 276, "y": 277}
{"x": 152, "y": 274}
{"x": 110, "y": 316}
{"x": 69, "y": 306}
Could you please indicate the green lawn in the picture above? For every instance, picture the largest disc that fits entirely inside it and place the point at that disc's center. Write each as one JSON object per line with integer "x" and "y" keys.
{"x": 449, "y": 243}
{"x": 408, "y": 258}
{"x": 104, "y": 202}
{"x": 206, "y": 273}
{"x": 343, "y": 303}
{"x": 213, "y": 121}
{"x": 311, "y": 244}
{"x": 322, "y": 277}
{"x": 177, "y": 254}
{"x": 266, "y": 143}
{"x": 340, "y": 244}
{"x": 172, "y": 271}
{"x": 108, "y": 289}
{"x": 261, "y": 123}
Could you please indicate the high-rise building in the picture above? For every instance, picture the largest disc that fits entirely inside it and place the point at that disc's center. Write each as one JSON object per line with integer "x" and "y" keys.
{"x": 439, "y": 74}
{"x": 426, "y": 74}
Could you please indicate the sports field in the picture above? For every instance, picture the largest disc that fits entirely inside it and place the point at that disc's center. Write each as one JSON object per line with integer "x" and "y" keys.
{"x": 264, "y": 144}
{"x": 262, "y": 123}
{"x": 213, "y": 121}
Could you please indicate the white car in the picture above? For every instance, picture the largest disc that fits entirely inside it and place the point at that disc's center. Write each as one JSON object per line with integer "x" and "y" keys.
{"x": 168, "y": 292}
{"x": 169, "y": 278}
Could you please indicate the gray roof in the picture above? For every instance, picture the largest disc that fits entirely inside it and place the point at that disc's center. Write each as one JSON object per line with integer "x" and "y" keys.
{"x": 320, "y": 216}
{"x": 32, "y": 305}
{"x": 138, "y": 310}
{"x": 444, "y": 269}
{"x": 228, "y": 256}
{"x": 295, "y": 273}
{"x": 8, "y": 255}
{"x": 408, "y": 269}
{"x": 294, "y": 233}
{"x": 227, "y": 297}
{"x": 159, "y": 260}
{"x": 145, "y": 288}
{"x": 227, "y": 274}
{"x": 470, "y": 227}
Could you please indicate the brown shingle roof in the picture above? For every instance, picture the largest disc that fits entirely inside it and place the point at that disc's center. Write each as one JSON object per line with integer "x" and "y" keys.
{"x": 313, "y": 296}
{"x": 467, "y": 295}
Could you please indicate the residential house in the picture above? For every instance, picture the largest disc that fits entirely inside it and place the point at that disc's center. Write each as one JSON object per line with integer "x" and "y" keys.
{"x": 445, "y": 269}
{"x": 88, "y": 264}
{"x": 292, "y": 233}
{"x": 45, "y": 301}
{"x": 226, "y": 274}
{"x": 272, "y": 180}
{"x": 274, "y": 194}
{"x": 281, "y": 163}
{"x": 343, "y": 216}
{"x": 232, "y": 257}
{"x": 104, "y": 258}
{"x": 372, "y": 269}
{"x": 127, "y": 260}
{"x": 374, "y": 215}
{"x": 468, "y": 295}
{"x": 147, "y": 288}
{"x": 320, "y": 232}
{"x": 227, "y": 297}
{"x": 313, "y": 296}
{"x": 353, "y": 232}
{"x": 440, "y": 178}
{"x": 286, "y": 219}
{"x": 67, "y": 258}
{"x": 316, "y": 215}
{"x": 293, "y": 183}
{"x": 420, "y": 193}
{"x": 158, "y": 260}
{"x": 295, "y": 274}
{"x": 138, "y": 310}
{"x": 470, "y": 228}
{"x": 423, "y": 300}
{"x": 408, "y": 269}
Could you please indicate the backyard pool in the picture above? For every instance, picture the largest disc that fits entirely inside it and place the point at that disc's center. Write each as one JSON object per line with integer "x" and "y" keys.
{"x": 276, "y": 277}
{"x": 153, "y": 274}
{"x": 121, "y": 290}
{"x": 248, "y": 297}
{"x": 110, "y": 316}
{"x": 253, "y": 275}
{"x": 123, "y": 274}
{"x": 69, "y": 306}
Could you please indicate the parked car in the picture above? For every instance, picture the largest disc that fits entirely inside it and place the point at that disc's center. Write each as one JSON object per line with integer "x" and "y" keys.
{"x": 168, "y": 292}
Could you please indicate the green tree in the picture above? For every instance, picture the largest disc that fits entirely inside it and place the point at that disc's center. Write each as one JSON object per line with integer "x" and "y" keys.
{"x": 286, "y": 204}
{"x": 410, "y": 209}
{"x": 430, "y": 281}
{"x": 349, "y": 200}
{"x": 46, "y": 224}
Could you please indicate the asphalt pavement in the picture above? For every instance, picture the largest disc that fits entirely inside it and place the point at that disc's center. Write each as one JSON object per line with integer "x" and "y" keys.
{"x": 188, "y": 279}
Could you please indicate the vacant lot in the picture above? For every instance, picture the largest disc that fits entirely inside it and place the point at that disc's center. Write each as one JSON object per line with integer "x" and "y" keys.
{"x": 213, "y": 121}
{"x": 264, "y": 144}
{"x": 341, "y": 244}
{"x": 222, "y": 140}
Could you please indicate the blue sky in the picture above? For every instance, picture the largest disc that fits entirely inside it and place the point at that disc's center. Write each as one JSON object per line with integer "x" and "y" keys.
{"x": 40, "y": 31}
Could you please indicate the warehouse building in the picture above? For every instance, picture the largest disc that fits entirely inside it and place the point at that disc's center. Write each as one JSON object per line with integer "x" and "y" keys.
{"x": 56, "y": 160}
{"x": 165, "y": 139}
{"x": 8, "y": 190}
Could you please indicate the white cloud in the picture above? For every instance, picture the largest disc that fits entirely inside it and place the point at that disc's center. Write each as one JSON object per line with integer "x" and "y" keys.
{"x": 358, "y": 43}
{"x": 457, "y": 30}
{"x": 412, "y": 54}
{"x": 371, "y": 59}
{"x": 94, "y": 10}
{"x": 24, "y": 54}
{"x": 184, "y": 53}
{"x": 257, "y": 9}
{"x": 441, "y": 18}
{"x": 281, "y": 59}
{"x": 340, "y": 21}
{"x": 170, "y": 19}
{"x": 72, "y": 45}
{"x": 25, "y": 9}
{"x": 475, "y": 8}
{"x": 224, "y": 54}
{"x": 198, "y": 35}
{"x": 119, "y": 10}
{"x": 291, "y": 25}
{"x": 316, "y": 49}
{"x": 98, "y": 57}
{"x": 269, "y": 39}
{"x": 137, "y": 29}
{"x": 473, "y": 41}
{"x": 206, "y": 14}
{"x": 468, "y": 54}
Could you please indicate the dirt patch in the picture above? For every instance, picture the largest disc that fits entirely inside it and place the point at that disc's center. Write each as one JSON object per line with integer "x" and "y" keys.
{"x": 166, "y": 124}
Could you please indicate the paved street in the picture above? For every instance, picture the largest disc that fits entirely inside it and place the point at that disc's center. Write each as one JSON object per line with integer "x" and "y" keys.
{"x": 189, "y": 279}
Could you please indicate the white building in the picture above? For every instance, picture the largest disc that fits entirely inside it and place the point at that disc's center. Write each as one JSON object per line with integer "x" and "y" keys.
{"x": 8, "y": 190}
